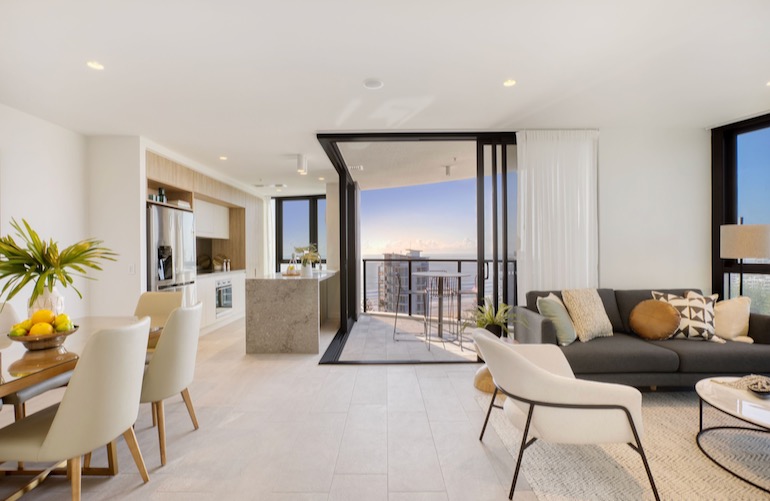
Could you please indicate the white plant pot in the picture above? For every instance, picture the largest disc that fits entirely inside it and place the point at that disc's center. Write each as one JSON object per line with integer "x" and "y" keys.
{"x": 307, "y": 271}
{"x": 48, "y": 300}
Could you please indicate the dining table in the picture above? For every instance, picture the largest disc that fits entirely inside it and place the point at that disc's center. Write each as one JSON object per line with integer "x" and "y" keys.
{"x": 21, "y": 368}
{"x": 440, "y": 277}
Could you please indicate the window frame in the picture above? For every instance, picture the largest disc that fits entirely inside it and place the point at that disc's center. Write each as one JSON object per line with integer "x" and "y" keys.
{"x": 724, "y": 196}
{"x": 313, "y": 220}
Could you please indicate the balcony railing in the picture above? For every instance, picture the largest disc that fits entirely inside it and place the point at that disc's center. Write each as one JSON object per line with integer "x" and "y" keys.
{"x": 377, "y": 297}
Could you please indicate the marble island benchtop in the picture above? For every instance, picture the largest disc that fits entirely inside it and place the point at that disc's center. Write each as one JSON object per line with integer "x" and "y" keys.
{"x": 318, "y": 275}
{"x": 283, "y": 314}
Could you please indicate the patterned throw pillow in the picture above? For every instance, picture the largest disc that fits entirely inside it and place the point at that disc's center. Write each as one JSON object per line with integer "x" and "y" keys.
{"x": 587, "y": 312}
{"x": 697, "y": 313}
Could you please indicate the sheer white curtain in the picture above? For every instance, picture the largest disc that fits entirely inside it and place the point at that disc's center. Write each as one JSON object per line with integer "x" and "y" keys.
{"x": 557, "y": 210}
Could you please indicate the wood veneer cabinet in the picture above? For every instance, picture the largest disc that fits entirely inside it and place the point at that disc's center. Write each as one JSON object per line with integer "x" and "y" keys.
{"x": 245, "y": 210}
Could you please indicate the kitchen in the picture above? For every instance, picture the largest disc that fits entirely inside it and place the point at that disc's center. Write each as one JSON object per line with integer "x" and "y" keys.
{"x": 218, "y": 214}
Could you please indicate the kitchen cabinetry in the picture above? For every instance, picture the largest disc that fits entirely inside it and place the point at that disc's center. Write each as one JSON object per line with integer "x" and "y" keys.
{"x": 211, "y": 220}
{"x": 239, "y": 292}
{"x": 206, "y": 288}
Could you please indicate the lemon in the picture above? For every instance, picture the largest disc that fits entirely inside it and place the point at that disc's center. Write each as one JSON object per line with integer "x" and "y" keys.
{"x": 18, "y": 332}
{"x": 26, "y": 325}
{"x": 62, "y": 323}
{"x": 42, "y": 316}
{"x": 41, "y": 329}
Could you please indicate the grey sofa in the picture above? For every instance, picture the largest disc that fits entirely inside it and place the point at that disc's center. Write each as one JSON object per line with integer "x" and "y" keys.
{"x": 628, "y": 359}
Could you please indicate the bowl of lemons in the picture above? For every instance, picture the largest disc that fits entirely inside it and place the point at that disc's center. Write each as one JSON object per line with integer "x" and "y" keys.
{"x": 43, "y": 330}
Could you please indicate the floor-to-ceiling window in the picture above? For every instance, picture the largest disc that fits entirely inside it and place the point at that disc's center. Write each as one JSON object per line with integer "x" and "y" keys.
{"x": 299, "y": 222}
{"x": 741, "y": 184}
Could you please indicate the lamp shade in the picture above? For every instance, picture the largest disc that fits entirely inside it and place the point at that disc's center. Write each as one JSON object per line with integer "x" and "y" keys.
{"x": 742, "y": 241}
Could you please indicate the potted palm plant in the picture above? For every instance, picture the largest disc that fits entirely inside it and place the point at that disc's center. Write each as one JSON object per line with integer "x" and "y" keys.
{"x": 491, "y": 319}
{"x": 41, "y": 263}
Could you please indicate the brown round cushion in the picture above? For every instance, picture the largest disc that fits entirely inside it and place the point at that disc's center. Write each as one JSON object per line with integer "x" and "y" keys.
{"x": 653, "y": 319}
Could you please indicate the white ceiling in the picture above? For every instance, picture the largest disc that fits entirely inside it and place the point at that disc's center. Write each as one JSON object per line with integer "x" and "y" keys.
{"x": 256, "y": 80}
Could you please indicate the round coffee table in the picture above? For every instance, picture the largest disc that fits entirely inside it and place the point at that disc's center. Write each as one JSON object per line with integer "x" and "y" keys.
{"x": 740, "y": 404}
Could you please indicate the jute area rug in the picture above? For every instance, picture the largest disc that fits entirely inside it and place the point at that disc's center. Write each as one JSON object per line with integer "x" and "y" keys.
{"x": 615, "y": 471}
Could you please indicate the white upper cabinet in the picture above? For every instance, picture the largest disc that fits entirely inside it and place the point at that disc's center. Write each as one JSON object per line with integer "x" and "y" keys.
{"x": 211, "y": 220}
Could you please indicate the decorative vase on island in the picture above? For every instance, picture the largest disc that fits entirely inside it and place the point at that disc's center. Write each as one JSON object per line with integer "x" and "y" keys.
{"x": 307, "y": 271}
{"x": 48, "y": 300}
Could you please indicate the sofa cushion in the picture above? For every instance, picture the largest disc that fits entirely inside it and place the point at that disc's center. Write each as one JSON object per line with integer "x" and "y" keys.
{"x": 707, "y": 357}
{"x": 654, "y": 320}
{"x": 608, "y": 299}
{"x": 628, "y": 299}
{"x": 552, "y": 308}
{"x": 697, "y": 313}
{"x": 586, "y": 310}
{"x": 620, "y": 353}
{"x": 731, "y": 317}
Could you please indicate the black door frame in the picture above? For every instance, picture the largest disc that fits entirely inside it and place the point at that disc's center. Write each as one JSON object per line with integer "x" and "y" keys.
{"x": 347, "y": 217}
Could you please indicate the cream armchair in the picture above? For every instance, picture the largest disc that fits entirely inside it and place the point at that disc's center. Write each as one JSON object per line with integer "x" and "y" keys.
{"x": 100, "y": 404}
{"x": 547, "y": 402}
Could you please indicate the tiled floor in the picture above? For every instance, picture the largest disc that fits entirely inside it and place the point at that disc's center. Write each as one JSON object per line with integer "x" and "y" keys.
{"x": 372, "y": 339}
{"x": 281, "y": 427}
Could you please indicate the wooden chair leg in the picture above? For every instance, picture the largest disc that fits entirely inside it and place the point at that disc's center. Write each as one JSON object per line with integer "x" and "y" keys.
{"x": 161, "y": 431}
{"x": 190, "y": 409}
{"x": 73, "y": 472}
{"x": 154, "y": 414}
{"x": 133, "y": 446}
{"x": 19, "y": 412}
{"x": 87, "y": 460}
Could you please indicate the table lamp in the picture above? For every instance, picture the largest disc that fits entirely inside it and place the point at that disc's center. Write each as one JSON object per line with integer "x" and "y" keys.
{"x": 744, "y": 241}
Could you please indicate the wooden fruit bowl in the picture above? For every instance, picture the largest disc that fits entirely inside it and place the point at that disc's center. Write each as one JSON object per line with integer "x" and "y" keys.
{"x": 33, "y": 343}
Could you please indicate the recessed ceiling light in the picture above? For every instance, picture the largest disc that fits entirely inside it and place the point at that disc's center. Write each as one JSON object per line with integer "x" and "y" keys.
{"x": 768, "y": 84}
{"x": 373, "y": 84}
{"x": 223, "y": 158}
{"x": 321, "y": 178}
{"x": 356, "y": 167}
{"x": 509, "y": 83}
{"x": 278, "y": 190}
{"x": 95, "y": 65}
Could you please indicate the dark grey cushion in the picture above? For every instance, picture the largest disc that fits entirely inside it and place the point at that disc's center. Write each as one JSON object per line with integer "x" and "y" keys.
{"x": 619, "y": 353}
{"x": 628, "y": 299}
{"x": 730, "y": 357}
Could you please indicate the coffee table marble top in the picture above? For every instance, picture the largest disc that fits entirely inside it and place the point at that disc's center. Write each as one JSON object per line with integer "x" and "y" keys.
{"x": 742, "y": 404}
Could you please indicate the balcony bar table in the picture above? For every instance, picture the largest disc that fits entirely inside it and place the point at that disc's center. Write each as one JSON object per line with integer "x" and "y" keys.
{"x": 440, "y": 275}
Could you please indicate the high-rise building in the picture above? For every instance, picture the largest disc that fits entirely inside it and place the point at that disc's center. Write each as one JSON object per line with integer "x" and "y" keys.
{"x": 400, "y": 264}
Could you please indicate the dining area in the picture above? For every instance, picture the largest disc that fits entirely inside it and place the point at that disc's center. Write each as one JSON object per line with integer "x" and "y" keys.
{"x": 76, "y": 395}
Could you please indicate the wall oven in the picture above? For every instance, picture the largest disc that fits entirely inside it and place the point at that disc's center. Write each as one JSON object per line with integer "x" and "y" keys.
{"x": 224, "y": 297}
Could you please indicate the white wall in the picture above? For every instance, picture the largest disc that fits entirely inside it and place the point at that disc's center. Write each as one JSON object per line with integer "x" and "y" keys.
{"x": 654, "y": 208}
{"x": 43, "y": 180}
{"x": 117, "y": 190}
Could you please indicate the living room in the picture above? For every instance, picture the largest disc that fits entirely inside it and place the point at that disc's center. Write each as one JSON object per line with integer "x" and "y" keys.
{"x": 256, "y": 83}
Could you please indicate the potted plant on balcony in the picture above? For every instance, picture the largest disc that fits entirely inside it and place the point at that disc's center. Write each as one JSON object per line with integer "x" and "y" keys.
{"x": 495, "y": 321}
{"x": 308, "y": 256}
{"x": 43, "y": 264}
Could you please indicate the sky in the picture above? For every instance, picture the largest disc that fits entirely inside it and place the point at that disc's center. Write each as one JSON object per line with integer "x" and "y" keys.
{"x": 438, "y": 219}
{"x": 754, "y": 176}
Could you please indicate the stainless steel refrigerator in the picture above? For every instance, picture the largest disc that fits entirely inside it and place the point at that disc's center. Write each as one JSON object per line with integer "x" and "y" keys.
{"x": 171, "y": 251}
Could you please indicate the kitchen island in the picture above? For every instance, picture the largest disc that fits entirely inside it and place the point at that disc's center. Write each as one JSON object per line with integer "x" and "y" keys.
{"x": 283, "y": 314}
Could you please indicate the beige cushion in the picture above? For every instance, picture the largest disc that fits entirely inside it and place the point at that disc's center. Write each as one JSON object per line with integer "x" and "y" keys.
{"x": 731, "y": 317}
{"x": 587, "y": 312}
{"x": 654, "y": 320}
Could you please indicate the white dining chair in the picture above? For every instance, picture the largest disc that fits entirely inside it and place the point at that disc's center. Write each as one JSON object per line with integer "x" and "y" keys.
{"x": 100, "y": 404}
{"x": 158, "y": 306}
{"x": 547, "y": 402}
{"x": 172, "y": 367}
{"x": 8, "y": 318}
